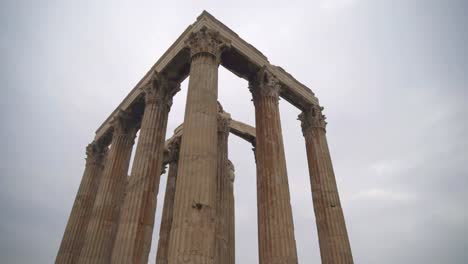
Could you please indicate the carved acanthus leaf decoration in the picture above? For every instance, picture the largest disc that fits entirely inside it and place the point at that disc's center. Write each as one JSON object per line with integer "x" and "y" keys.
{"x": 160, "y": 90}
{"x": 223, "y": 123}
{"x": 312, "y": 118}
{"x": 123, "y": 122}
{"x": 174, "y": 149}
{"x": 95, "y": 152}
{"x": 265, "y": 84}
{"x": 231, "y": 170}
{"x": 207, "y": 41}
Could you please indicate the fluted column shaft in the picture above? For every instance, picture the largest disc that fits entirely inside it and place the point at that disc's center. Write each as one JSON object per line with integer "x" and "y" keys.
{"x": 133, "y": 239}
{"x": 231, "y": 242}
{"x": 275, "y": 221}
{"x": 102, "y": 226}
{"x": 333, "y": 236}
{"x": 223, "y": 195}
{"x": 193, "y": 228}
{"x": 73, "y": 237}
{"x": 162, "y": 253}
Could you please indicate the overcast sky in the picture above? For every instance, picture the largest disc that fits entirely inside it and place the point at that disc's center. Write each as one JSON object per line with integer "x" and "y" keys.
{"x": 392, "y": 75}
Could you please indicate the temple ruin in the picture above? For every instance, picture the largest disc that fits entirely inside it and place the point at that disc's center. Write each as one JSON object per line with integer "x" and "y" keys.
{"x": 112, "y": 218}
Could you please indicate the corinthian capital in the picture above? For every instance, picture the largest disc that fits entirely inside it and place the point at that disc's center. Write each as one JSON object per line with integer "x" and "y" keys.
{"x": 224, "y": 120}
{"x": 95, "y": 152}
{"x": 223, "y": 123}
{"x": 231, "y": 171}
{"x": 312, "y": 118}
{"x": 160, "y": 90}
{"x": 174, "y": 149}
{"x": 265, "y": 84}
{"x": 123, "y": 122}
{"x": 206, "y": 41}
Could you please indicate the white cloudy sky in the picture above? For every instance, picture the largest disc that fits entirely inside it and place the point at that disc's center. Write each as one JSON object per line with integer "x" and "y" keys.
{"x": 392, "y": 76}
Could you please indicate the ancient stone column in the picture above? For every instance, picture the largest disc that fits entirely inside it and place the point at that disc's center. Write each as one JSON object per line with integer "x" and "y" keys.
{"x": 223, "y": 193}
{"x": 193, "y": 228}
{"x": 254, "y": 149}
{"x": 231, "y": 242}
{"x": 168, "y": 207}
{"x": 275, "y": 221}
{"x": 133, "y": 239}
{"x": 331, "y": 227}
{"x": 72, "y": 241}
{"x": 102, "y": 226}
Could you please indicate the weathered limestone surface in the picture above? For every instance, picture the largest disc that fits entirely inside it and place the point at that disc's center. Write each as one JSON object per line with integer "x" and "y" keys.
{"x": 223, "y": 195}
{"x": 162, "y": 253}
{"x": 133, "y": 239}
{"x": 102, "y": 226}
{"x": 331, "y": 227}
{"x": 73, "y": 238}
{"x": 198, "y": 214}
{"x": 193, "y": 229}
{"x": 275, "y": 223}
{"x": 231, "y": 241}
{"x": 242, "y": 130}
{"x": 293, "y": 91}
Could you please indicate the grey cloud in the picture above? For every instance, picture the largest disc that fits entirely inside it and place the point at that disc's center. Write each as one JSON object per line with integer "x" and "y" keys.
{"x": 391, "y": 75}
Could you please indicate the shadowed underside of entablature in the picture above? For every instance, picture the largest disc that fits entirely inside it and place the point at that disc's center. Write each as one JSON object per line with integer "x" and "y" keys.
{"x": 242, "y": 130}
{"x": 241, "y": 58}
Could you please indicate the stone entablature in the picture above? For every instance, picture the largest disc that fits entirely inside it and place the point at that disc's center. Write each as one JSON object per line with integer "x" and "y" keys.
{"x": 175, "y": 62}
{"x": 113, "y": 216}
{"x": 242, "y": 130}
{"x": 160, "y": 90}
{"x": 312, "y": 118}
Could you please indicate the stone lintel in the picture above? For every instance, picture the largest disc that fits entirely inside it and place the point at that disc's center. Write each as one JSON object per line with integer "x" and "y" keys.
{"x": 242, "y": 130}
{"x": 242, "y": 59}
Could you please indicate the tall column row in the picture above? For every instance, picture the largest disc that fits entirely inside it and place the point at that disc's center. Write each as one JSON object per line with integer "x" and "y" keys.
{"x": 98, "y": 230}
{"x": 230, "y": 215}
{"x": 103, "y": 224}
{"x": 333, "y": 236}
{"x": 193, "y": 229}
{"x": 275, "y": 222}
{"x": 75, "y": 232}
{"x": 162, "y": 253}
{"x": 224, "y": 196}
{"x": 133, "y": 239}
{"x": 112, "y": 218}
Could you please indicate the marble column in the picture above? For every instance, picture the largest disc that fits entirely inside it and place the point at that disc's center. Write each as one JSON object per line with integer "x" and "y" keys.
{"x": 168, "y": 207}
{"x": 275, "y": 221}
{"x": 102, "y": 226}
{"x": 231, "y": 222}
{"x": 254, "y": 149}
{"x": 72, "y": 241}
{"x": 331, "y": 227}
{"x": 133, "y": 239}
{"x": 193, "y": 228}
{"x": 223, "y": 188}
